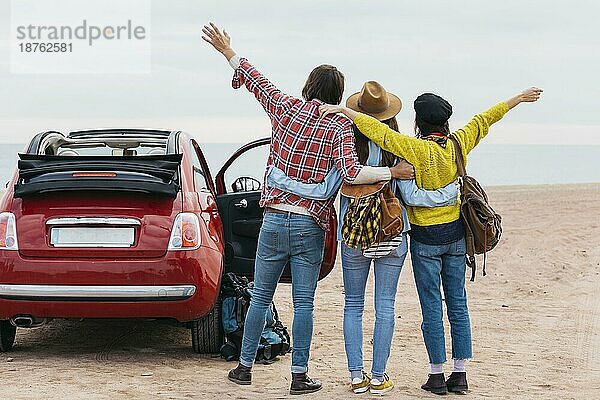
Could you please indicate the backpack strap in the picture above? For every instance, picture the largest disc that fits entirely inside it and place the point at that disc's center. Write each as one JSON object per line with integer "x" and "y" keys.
{"x": 471, "y": 260}
{"x": 462, "y": 172}
{"x": 460, "y": 160}
{"x": 275, "y": 313}
{"x": 484, "y": 251}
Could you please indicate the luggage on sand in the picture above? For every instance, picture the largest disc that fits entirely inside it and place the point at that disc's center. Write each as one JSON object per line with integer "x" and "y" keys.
{"x": 236, "y": 294}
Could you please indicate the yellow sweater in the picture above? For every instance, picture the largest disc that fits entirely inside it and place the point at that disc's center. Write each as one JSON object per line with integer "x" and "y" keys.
{"x": 435, "y": 166}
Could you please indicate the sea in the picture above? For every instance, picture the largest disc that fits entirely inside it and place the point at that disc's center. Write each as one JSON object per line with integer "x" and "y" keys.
{"x": 491, "y": 164}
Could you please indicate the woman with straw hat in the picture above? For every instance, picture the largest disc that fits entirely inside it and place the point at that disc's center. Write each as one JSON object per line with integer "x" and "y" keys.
{"x": 387, "y": 257}
{"x": 437, "y": 236}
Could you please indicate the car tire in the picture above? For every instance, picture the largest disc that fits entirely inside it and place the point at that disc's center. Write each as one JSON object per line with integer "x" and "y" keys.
{"x": 7, "y": 335}
{"x": 207, "y": 333}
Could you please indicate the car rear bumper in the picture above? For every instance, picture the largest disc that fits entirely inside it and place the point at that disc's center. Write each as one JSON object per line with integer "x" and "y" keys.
{"x": 100, "y": 293}
{"x": 181, "y": 285}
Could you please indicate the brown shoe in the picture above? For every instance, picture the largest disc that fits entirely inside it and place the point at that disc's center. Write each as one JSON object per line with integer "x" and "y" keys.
{"x": 436, "y": 384}
{"x": 302, "y": 384}
{"x": 241, "y": 375}
{"x": 457, "y": 382}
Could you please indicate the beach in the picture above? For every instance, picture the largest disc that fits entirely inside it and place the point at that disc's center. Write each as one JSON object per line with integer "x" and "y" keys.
{"x": 535, "y": 319}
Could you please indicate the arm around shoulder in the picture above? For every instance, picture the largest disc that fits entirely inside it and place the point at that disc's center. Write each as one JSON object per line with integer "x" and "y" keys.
{"x": 382, "y": 135}
{"x": 418, "y": 197}
{"x": 409, "y": 148}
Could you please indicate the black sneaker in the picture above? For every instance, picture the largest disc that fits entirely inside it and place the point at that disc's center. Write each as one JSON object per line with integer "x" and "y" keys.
{"x": 457, "y": 382}
{"x": 302, "y": 384}
{"x": 241, "y": 375}
{"x": 436, "y": 384}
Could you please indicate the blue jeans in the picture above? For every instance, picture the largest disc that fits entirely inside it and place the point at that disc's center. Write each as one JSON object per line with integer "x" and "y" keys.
{"x": 445, "y": 264}
{"x": 284, "y": 238}
{"x": 356, "y": 268}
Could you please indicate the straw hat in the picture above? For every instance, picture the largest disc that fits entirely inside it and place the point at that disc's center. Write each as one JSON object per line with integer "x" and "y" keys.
{"x": 375, "y": 101}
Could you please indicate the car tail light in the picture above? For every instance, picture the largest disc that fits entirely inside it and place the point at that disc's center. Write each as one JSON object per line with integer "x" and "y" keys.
{"x": 186, "y": 232}
{"x": 8, "y": 232}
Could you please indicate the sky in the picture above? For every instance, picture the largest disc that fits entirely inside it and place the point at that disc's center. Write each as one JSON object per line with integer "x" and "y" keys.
{"x": 474, "y": 53}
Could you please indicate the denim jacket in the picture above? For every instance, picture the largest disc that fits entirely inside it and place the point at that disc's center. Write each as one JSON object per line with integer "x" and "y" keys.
{"x": 409, "y": 192}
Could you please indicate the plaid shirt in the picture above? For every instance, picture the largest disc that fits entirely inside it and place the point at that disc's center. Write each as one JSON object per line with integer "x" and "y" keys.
{"x": 362, "y": 222}
{"x": 303, "y": 145}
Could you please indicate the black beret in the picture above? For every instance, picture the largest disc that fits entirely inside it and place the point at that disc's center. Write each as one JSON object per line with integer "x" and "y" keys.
{"x": 432, "y": 109}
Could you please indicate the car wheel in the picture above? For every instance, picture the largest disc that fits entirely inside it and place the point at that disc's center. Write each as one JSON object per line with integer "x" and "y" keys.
{"x": 207, "y": 333}
{"x": 7, "y": 335}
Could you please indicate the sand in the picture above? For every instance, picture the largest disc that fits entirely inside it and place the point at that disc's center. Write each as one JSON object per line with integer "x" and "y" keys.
{"x": 536, "y": 327}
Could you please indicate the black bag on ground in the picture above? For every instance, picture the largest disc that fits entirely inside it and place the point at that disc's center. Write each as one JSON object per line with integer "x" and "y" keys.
{"x": 483, "y": 227}
{"x": 236, "y": 294}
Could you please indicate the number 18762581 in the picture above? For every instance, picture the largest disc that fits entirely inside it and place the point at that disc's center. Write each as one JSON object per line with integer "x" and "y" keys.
{"x": 39, "y": 47}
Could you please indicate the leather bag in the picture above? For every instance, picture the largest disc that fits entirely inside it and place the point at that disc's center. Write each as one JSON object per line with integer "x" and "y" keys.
{"x": 483, "y": 226}
{"x": 391, "y": 224}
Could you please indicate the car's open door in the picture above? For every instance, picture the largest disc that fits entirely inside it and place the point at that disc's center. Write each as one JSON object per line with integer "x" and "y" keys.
{"x": 238, "y": 186}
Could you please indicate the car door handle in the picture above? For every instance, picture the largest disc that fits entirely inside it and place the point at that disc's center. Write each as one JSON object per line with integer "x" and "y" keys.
{"x": 242, "y": 204}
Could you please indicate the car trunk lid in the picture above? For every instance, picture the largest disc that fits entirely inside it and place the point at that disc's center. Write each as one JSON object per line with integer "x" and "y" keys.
{"x": 96, "y": 206}
{"x": 95, "y": 225}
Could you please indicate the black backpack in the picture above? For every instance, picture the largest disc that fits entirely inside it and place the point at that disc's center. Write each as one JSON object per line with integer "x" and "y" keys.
{"x": 236, "y": 294}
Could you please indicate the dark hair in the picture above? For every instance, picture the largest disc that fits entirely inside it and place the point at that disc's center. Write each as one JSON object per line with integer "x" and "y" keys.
{"x": 362, "y": 146}
{"x": 423, "y": 128}
{"x": 325, "y": 83}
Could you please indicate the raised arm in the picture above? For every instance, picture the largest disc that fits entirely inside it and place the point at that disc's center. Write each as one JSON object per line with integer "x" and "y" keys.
{"x": 472, "y": 133}
{"x": 273, "y": 100}
{"x": 530, "y": 95}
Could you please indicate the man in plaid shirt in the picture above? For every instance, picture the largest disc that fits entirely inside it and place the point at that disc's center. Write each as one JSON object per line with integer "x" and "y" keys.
{"x": 306, "y": 147}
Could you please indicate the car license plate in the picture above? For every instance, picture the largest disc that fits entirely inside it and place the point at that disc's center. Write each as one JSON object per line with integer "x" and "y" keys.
{"x": 92, "y": 237}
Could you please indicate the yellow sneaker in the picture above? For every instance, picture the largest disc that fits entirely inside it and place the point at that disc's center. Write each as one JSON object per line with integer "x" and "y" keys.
{"x": 381, "y": 387}
{"x": 361, "y": 385}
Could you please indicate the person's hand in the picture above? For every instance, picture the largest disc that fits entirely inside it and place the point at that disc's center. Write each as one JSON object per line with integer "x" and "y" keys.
{"x": 403, "y": 170}
{"x": 328, "y": 109}
{"x": 527, "y": 96}
{"x": 531, "y": 95}
{"x": 458, "y": 184}
{"x": 219, "y": 40}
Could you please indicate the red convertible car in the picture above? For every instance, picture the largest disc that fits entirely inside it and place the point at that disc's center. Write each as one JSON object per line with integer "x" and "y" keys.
{"x": 126, "y": 223}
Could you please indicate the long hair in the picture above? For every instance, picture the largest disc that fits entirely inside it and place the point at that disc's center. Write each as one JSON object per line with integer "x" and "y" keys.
{"x": 362, "y": 146}
{"x": 423, "y": 129}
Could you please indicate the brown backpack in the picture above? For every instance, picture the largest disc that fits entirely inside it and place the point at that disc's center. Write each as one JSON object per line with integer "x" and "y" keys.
{"x": 390, "y": 224}
{"x": 482, "y": 225}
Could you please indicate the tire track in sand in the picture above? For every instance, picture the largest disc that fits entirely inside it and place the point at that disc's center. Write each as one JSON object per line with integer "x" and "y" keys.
{"x": 593, "y": 353}
{"x": 588, "y": 333}
{"x": 102, "y": 355}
